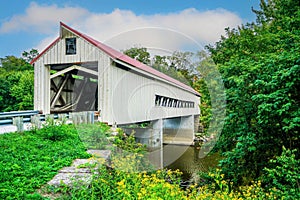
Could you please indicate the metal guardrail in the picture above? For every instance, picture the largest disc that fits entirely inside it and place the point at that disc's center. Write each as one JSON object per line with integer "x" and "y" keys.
{"x": 34, "y": 117}
{"x": 7, "y": 117}
{"x": 18, "y": 113}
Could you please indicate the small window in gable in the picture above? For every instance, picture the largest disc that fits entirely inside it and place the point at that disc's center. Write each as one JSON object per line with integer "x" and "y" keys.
{"x": 70, "y": 46}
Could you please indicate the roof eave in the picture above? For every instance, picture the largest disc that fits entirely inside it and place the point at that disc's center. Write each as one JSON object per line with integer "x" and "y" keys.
{"x": 44, "y": 51}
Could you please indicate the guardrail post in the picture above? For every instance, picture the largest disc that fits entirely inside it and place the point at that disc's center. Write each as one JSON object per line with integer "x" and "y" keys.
{"x": 18, "y": 122}
{"x": 71, "y": 117}
{"x": 62, "y": 118}
{"x": 35, "y": 121}
{"x": 49, "y": 119}
{"x": 84, "y": 117}
{"x": 75, "y": 118}
{"x": 90, "y": 117}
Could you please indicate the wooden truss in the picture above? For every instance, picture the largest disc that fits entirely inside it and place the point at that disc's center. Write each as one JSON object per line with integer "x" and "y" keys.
{"x": 60, "y": 102}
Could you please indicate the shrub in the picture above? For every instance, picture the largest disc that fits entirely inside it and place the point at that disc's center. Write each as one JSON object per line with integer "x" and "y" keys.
{"x": 128, "y": 143}
{"x": 216, "y": 186}
{"x": 94, "y": 136}
{"x": 283, "y": 178}
{"x": 128, "y": 155}
{"x": 57, "y": 133}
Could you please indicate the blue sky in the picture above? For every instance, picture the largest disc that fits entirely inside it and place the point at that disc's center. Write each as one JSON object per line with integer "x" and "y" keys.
{"x": 167, "y": 25}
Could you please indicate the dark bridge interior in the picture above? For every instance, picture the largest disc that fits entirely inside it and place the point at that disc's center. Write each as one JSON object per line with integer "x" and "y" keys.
{"x": 74, "y": 90}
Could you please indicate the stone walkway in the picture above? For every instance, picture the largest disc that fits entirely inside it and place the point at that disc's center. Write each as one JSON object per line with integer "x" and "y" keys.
{"x": 81, "y": 169}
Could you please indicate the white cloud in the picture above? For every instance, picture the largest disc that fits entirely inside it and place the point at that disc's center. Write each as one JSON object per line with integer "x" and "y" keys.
{"x": 170, "y": 31}
{"x": 42, "y": 18}
{"x": 123, "y": 28}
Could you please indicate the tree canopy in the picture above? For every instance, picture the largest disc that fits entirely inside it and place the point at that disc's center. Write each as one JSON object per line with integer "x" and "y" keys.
{"x": 16, "y": 77}
{"x": 139, "y": 53}
{"x": 260, "y": 66}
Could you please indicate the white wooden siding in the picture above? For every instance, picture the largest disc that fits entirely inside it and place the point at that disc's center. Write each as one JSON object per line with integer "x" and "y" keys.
{"x": 124, "y": 96}
{"x": 85, "y": 52}
{"x": 133, "y": 98}
{"x": 41, "y": 87}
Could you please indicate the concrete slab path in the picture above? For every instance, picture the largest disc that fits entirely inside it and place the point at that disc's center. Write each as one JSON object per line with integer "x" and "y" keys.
{"x": 81, "y": 170}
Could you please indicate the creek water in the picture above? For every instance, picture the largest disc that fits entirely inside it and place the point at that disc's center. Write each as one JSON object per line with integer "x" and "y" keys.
{"x": 189, "y": 162}
{"x": 183, "y": 157}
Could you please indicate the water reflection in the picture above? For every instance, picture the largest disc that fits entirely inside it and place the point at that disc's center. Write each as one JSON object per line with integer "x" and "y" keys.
{"x": 182, "y": 157}
{"x": 189, "y": 162}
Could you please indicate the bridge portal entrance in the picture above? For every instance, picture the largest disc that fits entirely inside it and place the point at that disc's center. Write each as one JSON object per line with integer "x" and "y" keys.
{"x": 74, "y": 87}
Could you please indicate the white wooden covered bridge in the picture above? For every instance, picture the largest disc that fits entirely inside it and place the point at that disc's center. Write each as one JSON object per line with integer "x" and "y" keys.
{"x": 78, "y": 73}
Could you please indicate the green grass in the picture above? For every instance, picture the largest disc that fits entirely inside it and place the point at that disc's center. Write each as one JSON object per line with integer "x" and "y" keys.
{"x": 29, "y": 160}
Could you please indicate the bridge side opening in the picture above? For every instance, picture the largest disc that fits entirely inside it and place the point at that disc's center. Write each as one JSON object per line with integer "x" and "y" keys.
{"x": 164, "y": 101}
{"x": 74, "y": 87}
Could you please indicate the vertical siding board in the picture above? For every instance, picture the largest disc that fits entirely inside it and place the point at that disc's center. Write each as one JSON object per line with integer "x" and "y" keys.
{"x": 108, "y": 96}
{"x": 37, "y": 84}
{"x": 54, "y": 54}
{"x": 104, "y": 85}
{"x": 90, "y": 49}
{"x": 47, "y": 89}
{"x": 52, "y": 57}
{"x": 63, "y": 51}
{"x": 41, "y": 94}
{"x": 83, "y": 51}
{"x": 79, "y": 53}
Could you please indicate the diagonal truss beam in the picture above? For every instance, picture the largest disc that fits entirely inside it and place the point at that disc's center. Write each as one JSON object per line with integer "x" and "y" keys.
{"x": 72, "y": 68}
{"x": 55, "y": 89}
{"x": 57, "y": 95}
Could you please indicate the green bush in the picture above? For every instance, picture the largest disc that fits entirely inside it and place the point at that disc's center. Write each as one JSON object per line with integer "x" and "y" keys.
{"x": 94, "y": 136}
{"x": 216, "y": 186}
{"x": 128, "y": 143}
{"x": 283, "y": 178}
{"x": 57, "y": 133}
{"x": 130, "y": 177}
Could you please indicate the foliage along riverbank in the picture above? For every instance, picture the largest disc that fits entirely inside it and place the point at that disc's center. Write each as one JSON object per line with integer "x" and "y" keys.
{"x": 30, "y": 159}
{"x": 260, "y": 67}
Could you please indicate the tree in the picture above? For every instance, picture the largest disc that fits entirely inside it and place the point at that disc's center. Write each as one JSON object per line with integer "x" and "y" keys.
{"x": 12, "y": 63}
{"x": 8, "y": 80}
{"x": 29, "y": 56}
{"x": 200, "y": 84}
{"x": 22, "y": 91}
{"x": 260, "y": 66}
{"x": 181, "y": 60}
{"x": 160, "y": 62}
{"x": 172, "y": 65}
{"x": 5, "y": 98}
{"x": 16, "y": 91}
{"x": 139, "y": 53}
{"x": 16, "y": 88}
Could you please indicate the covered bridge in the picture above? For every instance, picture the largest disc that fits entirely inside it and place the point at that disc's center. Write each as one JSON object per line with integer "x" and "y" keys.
{"x": 78, "y": 73}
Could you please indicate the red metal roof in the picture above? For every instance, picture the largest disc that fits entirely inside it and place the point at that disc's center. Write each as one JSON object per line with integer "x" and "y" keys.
{"x": 122, "y": 57}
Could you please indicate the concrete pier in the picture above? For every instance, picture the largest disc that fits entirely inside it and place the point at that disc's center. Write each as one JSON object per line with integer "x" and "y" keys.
{"x": 179, "y": 131}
